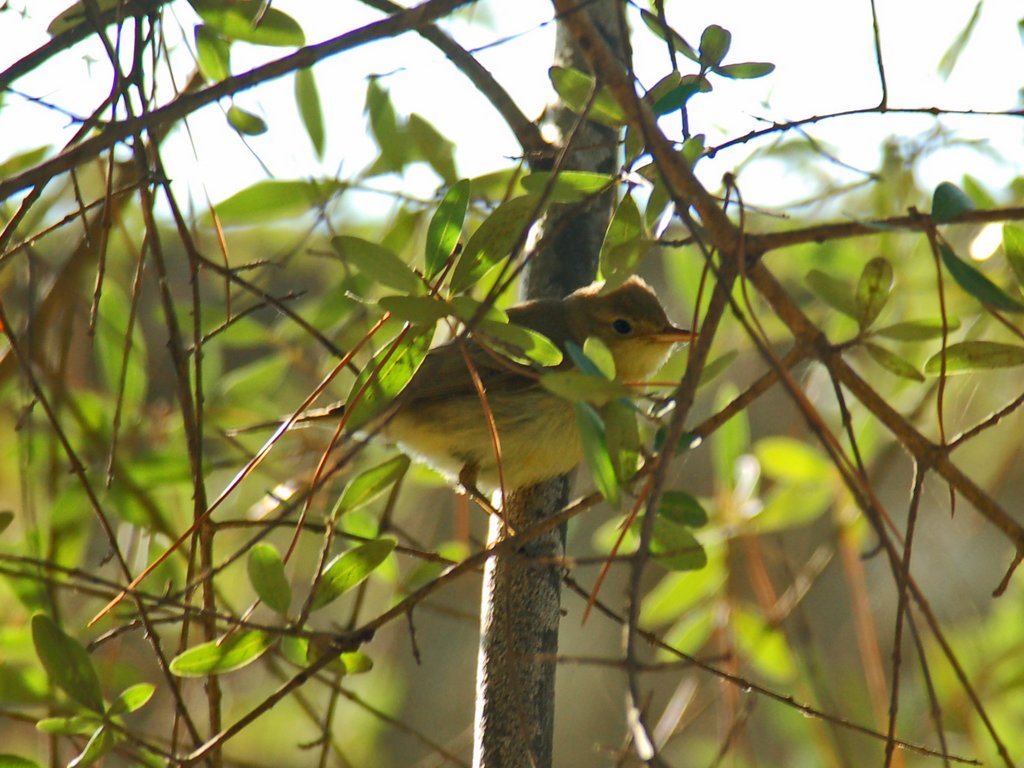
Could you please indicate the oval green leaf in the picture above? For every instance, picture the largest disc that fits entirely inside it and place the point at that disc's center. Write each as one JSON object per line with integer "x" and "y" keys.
{"x": 100, "y": 743}
{"x": 568, "y": 186}
{"x": 873, "y": 290}
{"x": 349, "y": 569}
{"x": 917, "y": 330}
{"x": 307, "y": 98}
{"x": 675, "y": 548}
{"x": 833, "y": 292}
{"x": 388, "y": 371}
{"x": 666, "y": 33}
{"x": 892, "y": 362}
{"x": 522, "y": 344}
{"x": 431, "y": 145}
{"x": 418, "y": 310}
{"x": 949, "y": 202}
{"x": 624, "y": 243}
{"x": 790, "y": 461}
{"x": 14, "y": 761}
{"x": 682, "y": 508}
{"x": 446, "y": 227}
{"x": 575, "y": 88}
{"x": 236, "y": 21}
{"x": 495, "y": 239}
{"x": 275, "y": 200}
{"x": 213, "y": 54}
{"x": 582, "y": 387}
{"x": 67, "y": 663}
{"x": 976, "y": 356}
{"x": 267, "y": 576}
{"x": 246, "y": 123}
{"x": 595, "y": 452}
{"x": 131, "y": 699}
{"x": 714, "y": 44}
{"x": 226, "y": 654}
{"x": 368, "y": 485}
{"x": 378, "y": 263}
{"x": 747, "y": 70}
{"x": 976, "y": 284}
{"x": 1013, "y": 246}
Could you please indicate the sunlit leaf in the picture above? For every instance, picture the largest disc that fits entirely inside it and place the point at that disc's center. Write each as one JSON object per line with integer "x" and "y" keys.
{"x": 225, "y": 654}
{"x": 976, "y": 284}
{"x": 307, "y": 98}
{"x": 521, "y": 343}
{"x": 873, "y": 290}
{"x": 623, "y": 436}
{"x": 624, "y": 245}
{"x": 432, "y": 146}
{"x": 371, "y": 483}
{"x": 747, "y": 70}
{"x": 246, "y": 122}
{"x": 568, "y": 186}
{"x": 764, "y": 645}
{"x": 952, "y": 54}
{"x": 76, "y": 725}
{"x": 717, "y": 367}
{"x": 495, "y": 239}
{"x": 833, "y": 292}
{"x": 445, "y": 227}
{"x": 586, "y": 364}
{"x": 100, "y": 743}
{"x": 596, "y": 350}
{"x": 20, "y": 161}
{"x": 388, "y": 372}
{"x": 575, "y": 89}
{"x": 419, "y": 310}
{"x": 682, "y": 508}
{"x": 714, "y": 44}
{"x": 66, "y": 662}
{"x": 675, "y": 548}
{"x": 275, "y": 200}
{"x": 267, "y": 576}
{"x": 1013, "y": 245}
{"x": 132, "y": 699}
{"x": 676, "y": 98}
{"x": 78, "y": 14}
{"x": 917, "y": 330}
{"x": 786, "y": 460}
{"x": 384, "y": 125}
{"x": 667, "y": 33}
{"x": 213, "y": 53}
{"x": 583, "y": 387}
{"x": 976, "y": 356}
{"x": 378, "y": 263}
{"x": 892, "y": 362}
{"x": 236, "y": 21}
{"x": 14, "y": 761}
{"x": 349, "y": 569}
{"x": 595, "y": 452}
{"x": 949, "y": 202}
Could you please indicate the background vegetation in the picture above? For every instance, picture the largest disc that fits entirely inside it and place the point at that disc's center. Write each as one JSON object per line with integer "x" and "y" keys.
{"x": 828, "y": 580}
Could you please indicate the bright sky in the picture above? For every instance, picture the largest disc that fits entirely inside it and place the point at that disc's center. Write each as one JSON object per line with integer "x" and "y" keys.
{"x": 823, "y": 53}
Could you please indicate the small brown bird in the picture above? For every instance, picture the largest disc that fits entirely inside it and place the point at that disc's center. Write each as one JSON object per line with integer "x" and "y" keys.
{"x": 439, "y": 417}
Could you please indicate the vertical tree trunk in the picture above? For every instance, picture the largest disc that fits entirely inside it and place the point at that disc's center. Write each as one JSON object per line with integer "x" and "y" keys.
{"x": 520, "y": 610}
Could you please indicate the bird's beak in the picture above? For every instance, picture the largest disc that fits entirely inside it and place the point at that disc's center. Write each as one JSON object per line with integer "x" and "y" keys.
{"x": 672, "y": 335}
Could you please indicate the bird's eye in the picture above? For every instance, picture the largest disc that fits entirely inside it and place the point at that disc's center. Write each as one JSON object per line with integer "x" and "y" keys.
{"x": 622, "y": 326}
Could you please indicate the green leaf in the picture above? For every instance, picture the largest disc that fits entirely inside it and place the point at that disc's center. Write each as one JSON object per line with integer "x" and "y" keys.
{"x": 747, "y": 70}
{"x": 676, "y": 98}
{"x": 892, "y": 362}
{"x": 102, "y": 741}
{"x": 714, "y": 44}
{"x": 6, "y": 518}
{"x": 682, "y": 508}
{"x": 952, "y": 54}
{"x": 266, "y": 574}
{"x": 873, "y": 291}
{"x": 307, "y": 98}
{"x": 67, "y": 663}
{"x": 494, "y": 240}
{"x": 356, "y": 662}
{"x": 349, "y": 569}
{"x": 1013, "y": 245}
{"x": 917, "y": 330}
{"x": 418, "y": 310}
{"x": 575, "y": 88}
{"x": 581, "y": 387}
{"x": 368, "y": 485}
{"x": 132, "y": 699}
{"x": 77, "y": 14}
{"x": 76, "y": 725}
{"x": 976, "y": 356}
{"x": 568, "y": 186}
{"x": 675, "y": 548}
{"x": 624, "y": 245}
{"x": 522, "y": 344}
{"x": 275, "y": 200}
{"x": 666, "y": 32}
{"x": 21, "y": 161}
{"x": 432, "y": 146}
{"x": 388, "y": 371}
{"x": 597, "y": 351}
{"x": 236, "y": 20}
{"x": 445, "y": 227}
{"x": 792, "y": 461}
{"x": 225, "y": 654}
{"x": 378, "y": 263}
{"x": 976, "y": 284}
{"x": 949, "y": 202}
{"x": 246, "y": 123}
{"x": 731, "y": 440}
{"x": 623, "y": 436}
{"x": 213, "y": 53}
{"x": 595, "y": 452}
{"x": 833, "y": 292}
{"x": 384, "y": 125}
{"x": 717, "y": 367}
{"x": 585, "y": 363}
{"x": 14, "y": 761}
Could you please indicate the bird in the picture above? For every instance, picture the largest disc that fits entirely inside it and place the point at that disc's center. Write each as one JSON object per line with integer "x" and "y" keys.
{"x": 440, "y": 418}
